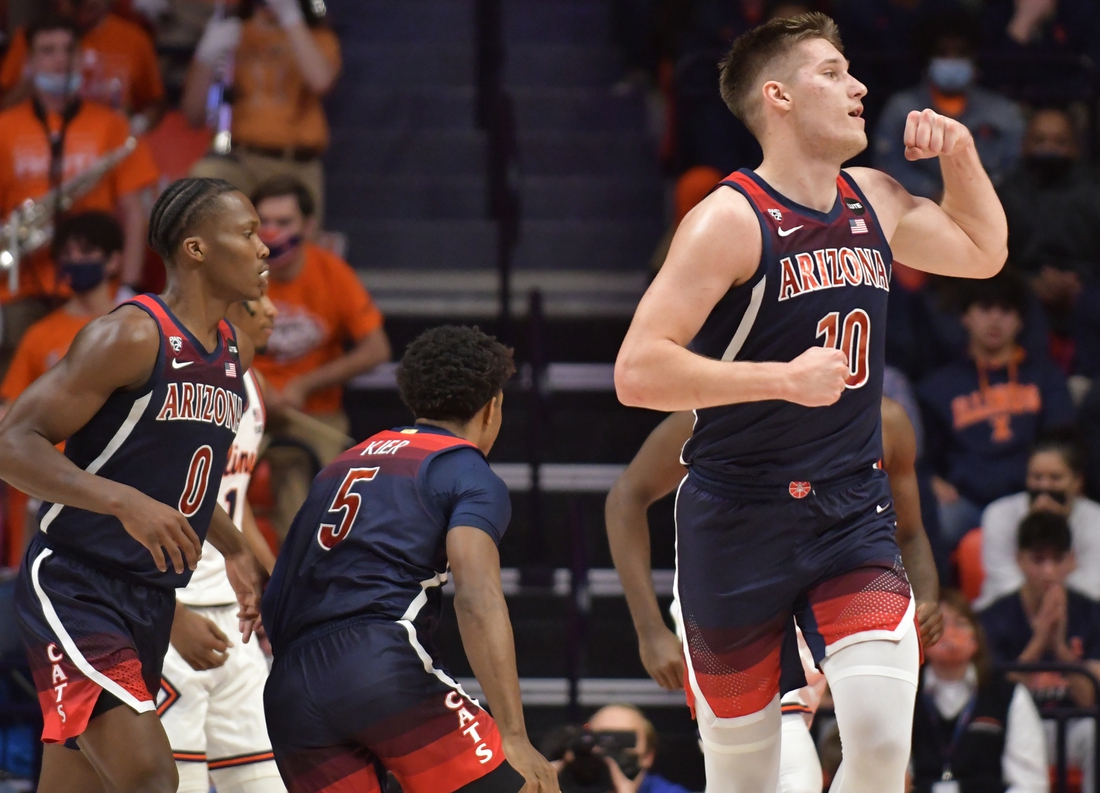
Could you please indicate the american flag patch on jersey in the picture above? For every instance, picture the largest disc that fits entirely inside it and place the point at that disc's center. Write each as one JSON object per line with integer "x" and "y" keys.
{"x": 859, "y": 225}
{"x": 230, "y": 369}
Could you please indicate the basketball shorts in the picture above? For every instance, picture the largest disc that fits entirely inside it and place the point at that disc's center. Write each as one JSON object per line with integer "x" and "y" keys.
{"x": 88, "y": 632}
{"x": 751, "y": 563}
{"x": 216, "y": 717}
{"x": 361, "y": 697}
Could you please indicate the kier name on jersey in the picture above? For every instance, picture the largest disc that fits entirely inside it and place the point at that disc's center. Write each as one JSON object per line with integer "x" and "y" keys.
{"x": 201, "y": 402}
{"x": 828, "y": 268}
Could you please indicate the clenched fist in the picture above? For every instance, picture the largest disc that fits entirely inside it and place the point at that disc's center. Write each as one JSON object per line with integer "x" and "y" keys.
{"x": 816, "y": 377}
{"x": 928, "y": 134}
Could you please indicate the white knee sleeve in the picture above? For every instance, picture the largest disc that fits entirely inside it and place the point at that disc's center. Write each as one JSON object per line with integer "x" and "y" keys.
{"x": 194, "y": 778}
{"x": 741, "y": 754}
{"x": 799, "y": 765}
{"x": 253, "y": 778}
{"x": 874, "y": 685}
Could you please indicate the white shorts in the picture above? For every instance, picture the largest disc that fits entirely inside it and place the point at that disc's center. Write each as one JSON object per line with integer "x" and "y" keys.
{"x": 216, "y": 717}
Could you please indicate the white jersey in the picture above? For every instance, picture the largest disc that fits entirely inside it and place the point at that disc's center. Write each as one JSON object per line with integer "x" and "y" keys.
{"x": 209, "y": 585}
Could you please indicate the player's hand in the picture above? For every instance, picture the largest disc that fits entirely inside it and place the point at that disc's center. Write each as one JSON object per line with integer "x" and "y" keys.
{"x": 162, "y": 530}
{"x": 248, "y": 578}
{"x": 199, "y": 641}
{"x": 663, "y": 657}
{"x": 817, "y": 377}
{"x": 930, "y": 620}
{"x": 540, "y": 775}
{"x": 928, "y": 134}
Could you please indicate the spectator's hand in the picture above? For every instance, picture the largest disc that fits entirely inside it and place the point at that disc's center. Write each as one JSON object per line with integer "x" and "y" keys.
{"x": 930, "y": 620}
{"x": 288, "y": 12}
{"x": 1051, "y": 610}
{"x": 1028, "y": 16}
{"x": 248, "y": 578}
{"x": 1057, "y": 288}
{"x": 663, "y": 657}
{"x": 928, "y": 134}
{"x": 944, "y": 491}
{"x": 817, "y": 377}
{"x": 293, "y": 396}
{"x": 540, "y": 775}
{"x": 620, "y": 782}
{"x": 199, "y": 641}
{"x": 220, "y": 38}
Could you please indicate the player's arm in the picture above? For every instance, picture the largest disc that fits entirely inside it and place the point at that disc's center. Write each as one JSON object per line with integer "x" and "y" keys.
{"x": 966, "y": 234}
{"x": 487, "y": 638}
{"x": 717, "y": 246}
{"x": 652, "y": 474}
{"x": 246, "y": 575}
{"x": 900, "y": 455}
{"x": 115, "y": 352}
{"x": 255, "y": 538}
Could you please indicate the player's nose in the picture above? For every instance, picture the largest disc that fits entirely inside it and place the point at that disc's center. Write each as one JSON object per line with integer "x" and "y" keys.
{"x": 858, "y": 90}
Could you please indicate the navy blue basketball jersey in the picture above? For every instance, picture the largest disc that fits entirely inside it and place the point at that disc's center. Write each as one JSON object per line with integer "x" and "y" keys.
{"x": 169, "y": 439}
{"x": 823, "y": 279}
{"x": 370, "y": 541}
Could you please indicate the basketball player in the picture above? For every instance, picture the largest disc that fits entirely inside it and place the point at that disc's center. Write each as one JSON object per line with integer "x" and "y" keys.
{"x": 654, "y": 473}
{"x": 212, "y": 689}
{"x": 356, "y": 595}
{"x": 767, "y": 319}
{"x": 149, "y": 399}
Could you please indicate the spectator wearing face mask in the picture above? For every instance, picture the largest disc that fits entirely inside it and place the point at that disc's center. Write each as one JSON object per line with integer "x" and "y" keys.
{"x": 1055, "y": 480}
{"x": 636, "y": 774}
{"x": 1047, "y": 620}
{"x": 971, "y": 725}
{"x": 327, "y": 331}
{"x": 87, "y": 248}
{"x": 982, "y": 414}
{"x": 949, "y": 88}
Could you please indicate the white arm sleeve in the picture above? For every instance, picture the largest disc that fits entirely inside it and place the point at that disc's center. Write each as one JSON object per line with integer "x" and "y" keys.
{"x": 1023, "y": 764}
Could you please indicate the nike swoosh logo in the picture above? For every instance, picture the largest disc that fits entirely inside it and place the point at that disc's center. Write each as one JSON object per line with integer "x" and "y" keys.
{"x": 883, "y": 508}
{"x": 788, "y": 232}
{"x": 176, "y": 364}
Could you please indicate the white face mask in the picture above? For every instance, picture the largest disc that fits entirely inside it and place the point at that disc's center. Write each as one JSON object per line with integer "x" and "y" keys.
{"x": 59, "y": 84}
{"x": 951, "y": 75}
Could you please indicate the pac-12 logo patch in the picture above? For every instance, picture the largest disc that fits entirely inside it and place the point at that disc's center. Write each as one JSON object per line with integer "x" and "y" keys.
{"x": 799, "y": 489}
{"x": 176, "y": 342}
{"x": 775, "y": 213}
{"x": 855, "y": 206}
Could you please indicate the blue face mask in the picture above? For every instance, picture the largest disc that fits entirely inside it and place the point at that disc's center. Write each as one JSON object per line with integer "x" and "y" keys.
{"x": 951, "y": 75}
{"x": 58, "y": 84}
{"x": 83, "y": 275}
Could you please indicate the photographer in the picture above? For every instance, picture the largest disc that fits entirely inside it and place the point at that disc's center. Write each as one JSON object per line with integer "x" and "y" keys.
{"x": 604, "y": 757}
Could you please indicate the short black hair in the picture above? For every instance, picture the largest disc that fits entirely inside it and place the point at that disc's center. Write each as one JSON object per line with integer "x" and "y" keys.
{"x": 1005, "y": 290}
{"x": 50, "y": 20}
{"x": 91, "y": 229}
{"x": 1044, "y": 531}
{"x": 933, "y": 29}
{"x": 451, "y": 372}
{"x": 182, "y": 205}
{"x": 1064, "y": 442}
{"x": 285, "y": 185}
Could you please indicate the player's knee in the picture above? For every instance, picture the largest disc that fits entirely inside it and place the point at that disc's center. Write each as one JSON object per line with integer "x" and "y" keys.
{"x": 152, "y": 775}
{"x": 879, "y": 745}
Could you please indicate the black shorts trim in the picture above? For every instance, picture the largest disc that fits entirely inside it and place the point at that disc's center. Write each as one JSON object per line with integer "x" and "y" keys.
{"x": 502, "y": 779}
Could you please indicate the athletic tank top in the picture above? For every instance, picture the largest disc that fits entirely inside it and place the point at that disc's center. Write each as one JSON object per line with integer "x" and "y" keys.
{"x": 823, "y": 279}
{"x": 209, "y": 586}
{"x": 169, "y": 439}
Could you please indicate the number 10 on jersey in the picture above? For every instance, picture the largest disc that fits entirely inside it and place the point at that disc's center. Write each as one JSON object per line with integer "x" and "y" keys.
{"x": 853, "y": 337}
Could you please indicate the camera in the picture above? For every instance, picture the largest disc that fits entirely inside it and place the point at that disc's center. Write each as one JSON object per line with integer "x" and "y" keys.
{"x": 586, "y": 769}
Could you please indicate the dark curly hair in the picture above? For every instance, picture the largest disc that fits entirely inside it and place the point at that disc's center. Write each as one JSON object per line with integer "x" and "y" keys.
{"x": 451, "y": 372}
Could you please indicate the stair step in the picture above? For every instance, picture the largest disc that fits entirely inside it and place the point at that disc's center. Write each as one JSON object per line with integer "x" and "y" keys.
{"x": 408, "y": 65}
{"x": 577, "y": 109}
{"x": 591, "y": 198}
{"x": 379, "y": 108}
{"x": 453, "y": 152}
{"x": 574, "y": 21}
{"x": 561, "y": 65}
{"x": 434, "y": 197}
{"x": 421, "y": 244}
{"x": 586, "y": 244}
{"x": 576, "y": 153}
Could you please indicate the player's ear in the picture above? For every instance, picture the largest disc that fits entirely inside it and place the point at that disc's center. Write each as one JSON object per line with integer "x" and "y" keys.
{"x": 194, "y": 249}
{"x": 775, "y": 95}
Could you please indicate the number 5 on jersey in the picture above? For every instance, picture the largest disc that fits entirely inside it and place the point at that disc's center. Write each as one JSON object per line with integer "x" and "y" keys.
{"x": 854, "y": 338}
{"x": 347, "y": 504}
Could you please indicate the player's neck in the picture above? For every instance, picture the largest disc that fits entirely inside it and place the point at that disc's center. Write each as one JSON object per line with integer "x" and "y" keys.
{"x": 809, "y": 182}
{"x": 197, "y": 310}
{"x": 453, "y": 427}
{"x": 993, "y": 358}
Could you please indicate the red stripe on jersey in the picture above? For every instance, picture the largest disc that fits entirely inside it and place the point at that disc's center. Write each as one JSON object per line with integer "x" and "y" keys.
{"x": 153, "y": 306}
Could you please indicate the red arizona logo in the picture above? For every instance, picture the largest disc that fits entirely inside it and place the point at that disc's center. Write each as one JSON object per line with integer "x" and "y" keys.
{"x": 799, "y": 489}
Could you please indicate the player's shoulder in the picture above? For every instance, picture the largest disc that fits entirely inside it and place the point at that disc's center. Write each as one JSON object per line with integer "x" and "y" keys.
{"x": 724, "y": 204}
{"x": 128, "y": 326}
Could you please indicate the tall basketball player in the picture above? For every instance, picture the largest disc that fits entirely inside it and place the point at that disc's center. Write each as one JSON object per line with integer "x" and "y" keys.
{"x": 212, "y": 687}
{"x": 655, "y": 472}
{"x": 768, "y": 319}
{"x": 149, "y": 399}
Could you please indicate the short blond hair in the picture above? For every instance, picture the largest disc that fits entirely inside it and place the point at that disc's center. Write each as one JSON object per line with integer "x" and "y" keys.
{"x": 754, "y": 51}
